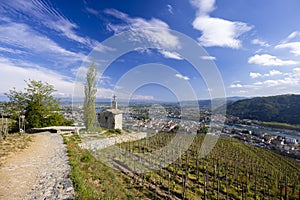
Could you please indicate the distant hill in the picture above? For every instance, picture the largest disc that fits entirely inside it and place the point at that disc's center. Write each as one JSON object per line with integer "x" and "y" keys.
{"x": 282, "y": 108}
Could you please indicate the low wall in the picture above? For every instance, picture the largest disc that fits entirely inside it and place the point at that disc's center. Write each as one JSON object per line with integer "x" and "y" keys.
{"x": 95, "y": 145}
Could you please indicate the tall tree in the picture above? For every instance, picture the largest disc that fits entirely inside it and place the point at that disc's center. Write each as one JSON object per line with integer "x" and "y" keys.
{"x": 37, "y": 103}
{"x": 90, "y": 89}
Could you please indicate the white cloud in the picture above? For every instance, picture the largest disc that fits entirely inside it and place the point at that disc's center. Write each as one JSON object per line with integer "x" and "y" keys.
{"x": 204, "y": 6}
{"x": 269, "y": 60}
{"x": 154, "y": 30}
{"x": 22, "y": 36}
{"x": 288, "y": 81}
{"x": 236, "y": 85}
{"x": 44, "y": 13}
{"x": 289, "y": 43}
{"x": 276, "y": 83}
{"x": 294, "y": 47}
{"x": 13, "y": 51}
{"x": 169, "y": 54}
{"x": 208, "y": 58}
{"x": 272, "y": 72}
{"x": 293, "y": 35}
{"x": 142, "y": 97}
{"x": 170, "y": 8}
{"x": 92, "y": 11}
{"x": 260, "y": 43}
{"x": 14, "y": 76}
{"x": 290, "y": 37}
{"x": 180, "y": 76}
{"x": 296, "y": 72}
{"x": 255, "y": 75}
{"x": 217, "y": 31}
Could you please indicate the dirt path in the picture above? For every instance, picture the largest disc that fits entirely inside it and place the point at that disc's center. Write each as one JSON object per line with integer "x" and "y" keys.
{"x": 39, "y": 172}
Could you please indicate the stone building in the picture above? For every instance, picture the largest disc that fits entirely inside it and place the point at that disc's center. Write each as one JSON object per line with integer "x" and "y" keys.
{"x": 111, "y": 118}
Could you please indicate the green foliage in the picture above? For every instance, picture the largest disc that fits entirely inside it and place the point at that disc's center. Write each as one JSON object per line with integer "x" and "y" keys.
{"x": 113, "y": 132}
{"x": 233, "y": 168}
{"x": 17, "y": 103}
{"x": 94, "y": 180}
{"x": 283, "y": 108}
{"x": 118, "y": 130}
{"x": 38, "y": 105}
{"x": 56, "y": 119}
{"x": 281, "y": 125}
{"x": 86, "y": 158}
{"x": 90, "y": 89}
{"x": 202, "y": 130}
{"x": 143, "y": 117}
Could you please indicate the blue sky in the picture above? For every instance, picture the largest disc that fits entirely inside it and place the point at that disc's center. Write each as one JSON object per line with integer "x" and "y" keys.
{"x": 255, "y": 45}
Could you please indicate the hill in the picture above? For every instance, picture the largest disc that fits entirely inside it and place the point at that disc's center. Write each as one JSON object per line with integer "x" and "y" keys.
{"x": 232, "y": 170}
{"x": 282, "y": 108}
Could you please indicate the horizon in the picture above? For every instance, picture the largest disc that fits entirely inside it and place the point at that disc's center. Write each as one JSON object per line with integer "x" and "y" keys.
{"x": 254, "y": 53}
{"x": 3, "y": 98}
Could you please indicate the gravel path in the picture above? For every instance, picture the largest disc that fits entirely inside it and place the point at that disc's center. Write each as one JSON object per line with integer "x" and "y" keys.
{"x": 39, "y": 172}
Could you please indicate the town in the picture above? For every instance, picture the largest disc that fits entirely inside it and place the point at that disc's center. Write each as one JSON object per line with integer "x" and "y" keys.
{"x": 154, "y": 118}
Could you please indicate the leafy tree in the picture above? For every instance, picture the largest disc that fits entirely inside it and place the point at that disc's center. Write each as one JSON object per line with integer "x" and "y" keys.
{"x": 89, "y": 111}
{"x": 38, "y": 105}
{"x": 202, "y": 130}
{"x": 16, "y": 105}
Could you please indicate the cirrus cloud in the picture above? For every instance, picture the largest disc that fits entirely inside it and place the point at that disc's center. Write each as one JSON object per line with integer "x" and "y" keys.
{"x": 180, "y": 76}
{"x": 169, "y": 54}
{"x": 154, "y": 30}
{"x": 260, "y": 43}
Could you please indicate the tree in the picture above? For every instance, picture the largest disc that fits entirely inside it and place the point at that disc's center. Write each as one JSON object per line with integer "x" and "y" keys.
{"x": 38, "y": 105}
{"x": 16, "y": 105}
{"x": 89, "y": 111}
{"x": 202, "y": 130}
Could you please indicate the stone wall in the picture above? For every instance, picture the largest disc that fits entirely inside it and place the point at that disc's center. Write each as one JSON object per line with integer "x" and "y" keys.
{"x": 95, "y": 145}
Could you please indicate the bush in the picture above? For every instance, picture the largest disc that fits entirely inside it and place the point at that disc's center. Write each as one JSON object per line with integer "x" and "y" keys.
{"x": 118, "y": 130}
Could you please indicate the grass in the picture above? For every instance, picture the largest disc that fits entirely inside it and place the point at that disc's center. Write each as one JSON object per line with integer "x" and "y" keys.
{"x": 240, "y": 170}
{"x": 13, "y": 143}
{"x": 247, "y": 170}
{"x": 94, "y": 180}
{"x": 281, "y": 125}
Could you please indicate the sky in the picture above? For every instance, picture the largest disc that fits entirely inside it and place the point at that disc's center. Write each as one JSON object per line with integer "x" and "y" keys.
{"x": 252, "y": 47}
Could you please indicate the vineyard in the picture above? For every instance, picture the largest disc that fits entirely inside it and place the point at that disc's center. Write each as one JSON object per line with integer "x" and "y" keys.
{"x": 232, "y": 170}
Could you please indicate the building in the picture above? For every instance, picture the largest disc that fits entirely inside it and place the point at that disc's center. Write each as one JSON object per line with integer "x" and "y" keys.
{"x": 111, "y": 118}
{"x": 291, "y": 141}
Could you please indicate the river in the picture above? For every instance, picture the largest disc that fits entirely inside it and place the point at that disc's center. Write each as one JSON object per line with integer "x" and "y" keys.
{"x": 270, "y": 131}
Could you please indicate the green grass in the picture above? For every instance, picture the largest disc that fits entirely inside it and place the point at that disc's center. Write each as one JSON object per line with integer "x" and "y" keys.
{"x": 94, "y": 180}
{"x": 247, "y": 170}
{"x": 281, "y": 125}
{"x": 240, "y": 170}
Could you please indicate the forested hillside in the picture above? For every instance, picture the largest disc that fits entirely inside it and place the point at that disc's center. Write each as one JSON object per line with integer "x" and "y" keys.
{"x": 283, "y": 108}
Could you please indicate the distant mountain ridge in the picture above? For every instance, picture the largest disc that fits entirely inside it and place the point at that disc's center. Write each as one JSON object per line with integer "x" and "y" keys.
{"x": 201, "y": 102}
{"x": 282, "y": 108}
